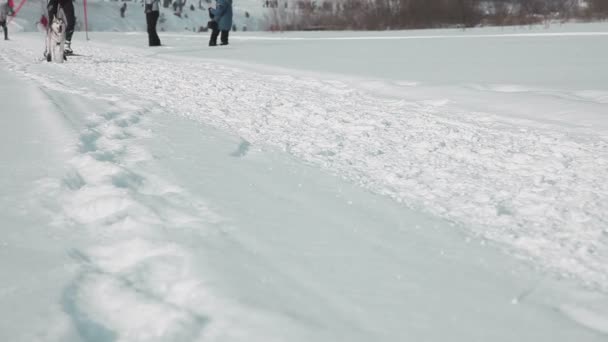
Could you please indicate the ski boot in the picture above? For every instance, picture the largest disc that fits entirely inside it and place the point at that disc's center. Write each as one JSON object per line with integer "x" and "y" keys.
{"x": 68, "y": 48}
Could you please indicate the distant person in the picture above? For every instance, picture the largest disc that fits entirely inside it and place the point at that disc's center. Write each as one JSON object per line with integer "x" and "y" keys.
{"x": 123, "y": 9}
{"x": 152, "y": 13}
{"x": 6, "y": 10}
{"x": 222, "y": 15}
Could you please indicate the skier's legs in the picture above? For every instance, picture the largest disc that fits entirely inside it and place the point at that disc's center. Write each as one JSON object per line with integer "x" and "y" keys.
{"x": 68, "y": 10}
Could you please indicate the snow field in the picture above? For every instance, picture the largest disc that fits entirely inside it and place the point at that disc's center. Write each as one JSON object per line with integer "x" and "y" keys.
{"x": 538, "y": 189}
{"x": 124, "y": 286}
{"x": 134, "y": 283}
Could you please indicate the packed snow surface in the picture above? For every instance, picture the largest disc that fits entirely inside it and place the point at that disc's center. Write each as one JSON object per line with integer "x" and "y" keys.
{"x": 308, "y": 186}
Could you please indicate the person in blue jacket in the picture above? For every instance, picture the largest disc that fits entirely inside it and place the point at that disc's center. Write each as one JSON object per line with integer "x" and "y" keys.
{"x": 222, "y": 15}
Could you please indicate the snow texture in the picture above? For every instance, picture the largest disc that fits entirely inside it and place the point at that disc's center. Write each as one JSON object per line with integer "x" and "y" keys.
{"x": 151, "y": 254}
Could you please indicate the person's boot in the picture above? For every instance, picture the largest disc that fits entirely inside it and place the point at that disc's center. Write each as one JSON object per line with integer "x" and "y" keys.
{"x": 213, "y": 37}
{"x": 68, "y": 48}
{"x": 224, "y": 38}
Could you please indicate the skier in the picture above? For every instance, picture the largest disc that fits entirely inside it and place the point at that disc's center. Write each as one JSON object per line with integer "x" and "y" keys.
{"x": 68, "y": 10}
{"x": 6, "y": 10}
{"x": 222, "y": 15}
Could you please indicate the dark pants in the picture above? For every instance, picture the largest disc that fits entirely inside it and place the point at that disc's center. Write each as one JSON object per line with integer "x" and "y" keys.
{"x": 151, "y": 20}
{"x": 223, "y": 37}
{"x": 4, "y": 28}
{"x": 68, "y": 10}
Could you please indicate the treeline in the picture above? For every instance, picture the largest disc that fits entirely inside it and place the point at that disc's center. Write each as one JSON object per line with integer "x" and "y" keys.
{"x": 408, "y": 14}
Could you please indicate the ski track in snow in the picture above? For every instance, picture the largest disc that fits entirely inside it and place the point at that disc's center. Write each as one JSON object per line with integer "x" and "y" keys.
{"x": 540, "y": 190}
{"x": 135, "y": 283}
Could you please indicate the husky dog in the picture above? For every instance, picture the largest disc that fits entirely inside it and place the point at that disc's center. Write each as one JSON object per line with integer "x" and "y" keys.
{"x": 55, "y": 41}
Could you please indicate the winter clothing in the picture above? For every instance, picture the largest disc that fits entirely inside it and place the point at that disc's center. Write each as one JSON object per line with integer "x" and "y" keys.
{"x": 68, "y": 10}
{"x": 213, "y": 38}
{"x": 223, "y": 37}
{"x": 223, "y": 14}
{"x": 152, "y": 5}
{"x": 4, "y": 28}
{"x": 152, "y": 13}
{"x": 221, "y": 22}
{"x": 3, "y": 10}
{"x": 212, "y": 25}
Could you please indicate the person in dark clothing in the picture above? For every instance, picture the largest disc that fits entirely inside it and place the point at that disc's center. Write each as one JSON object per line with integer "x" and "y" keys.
{"x": 152, "y": 13}
{"x": 123, "y": 9}
{"x": 68, "y": 10}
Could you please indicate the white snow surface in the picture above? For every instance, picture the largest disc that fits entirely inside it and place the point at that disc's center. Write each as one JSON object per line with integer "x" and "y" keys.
{"x": 184, "y": 193}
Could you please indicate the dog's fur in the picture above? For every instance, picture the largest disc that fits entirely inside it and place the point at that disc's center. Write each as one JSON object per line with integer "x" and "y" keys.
{"x": 56, "y": 41}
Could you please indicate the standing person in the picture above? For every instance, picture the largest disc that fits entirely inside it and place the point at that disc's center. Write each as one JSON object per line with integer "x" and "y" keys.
{"x": 68, "y": 10}
{"x": 152, "y": 13}
{"x": 6, "y": 9}
{"x": 123, "y": 9}
{"x": 222, "y": 15}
